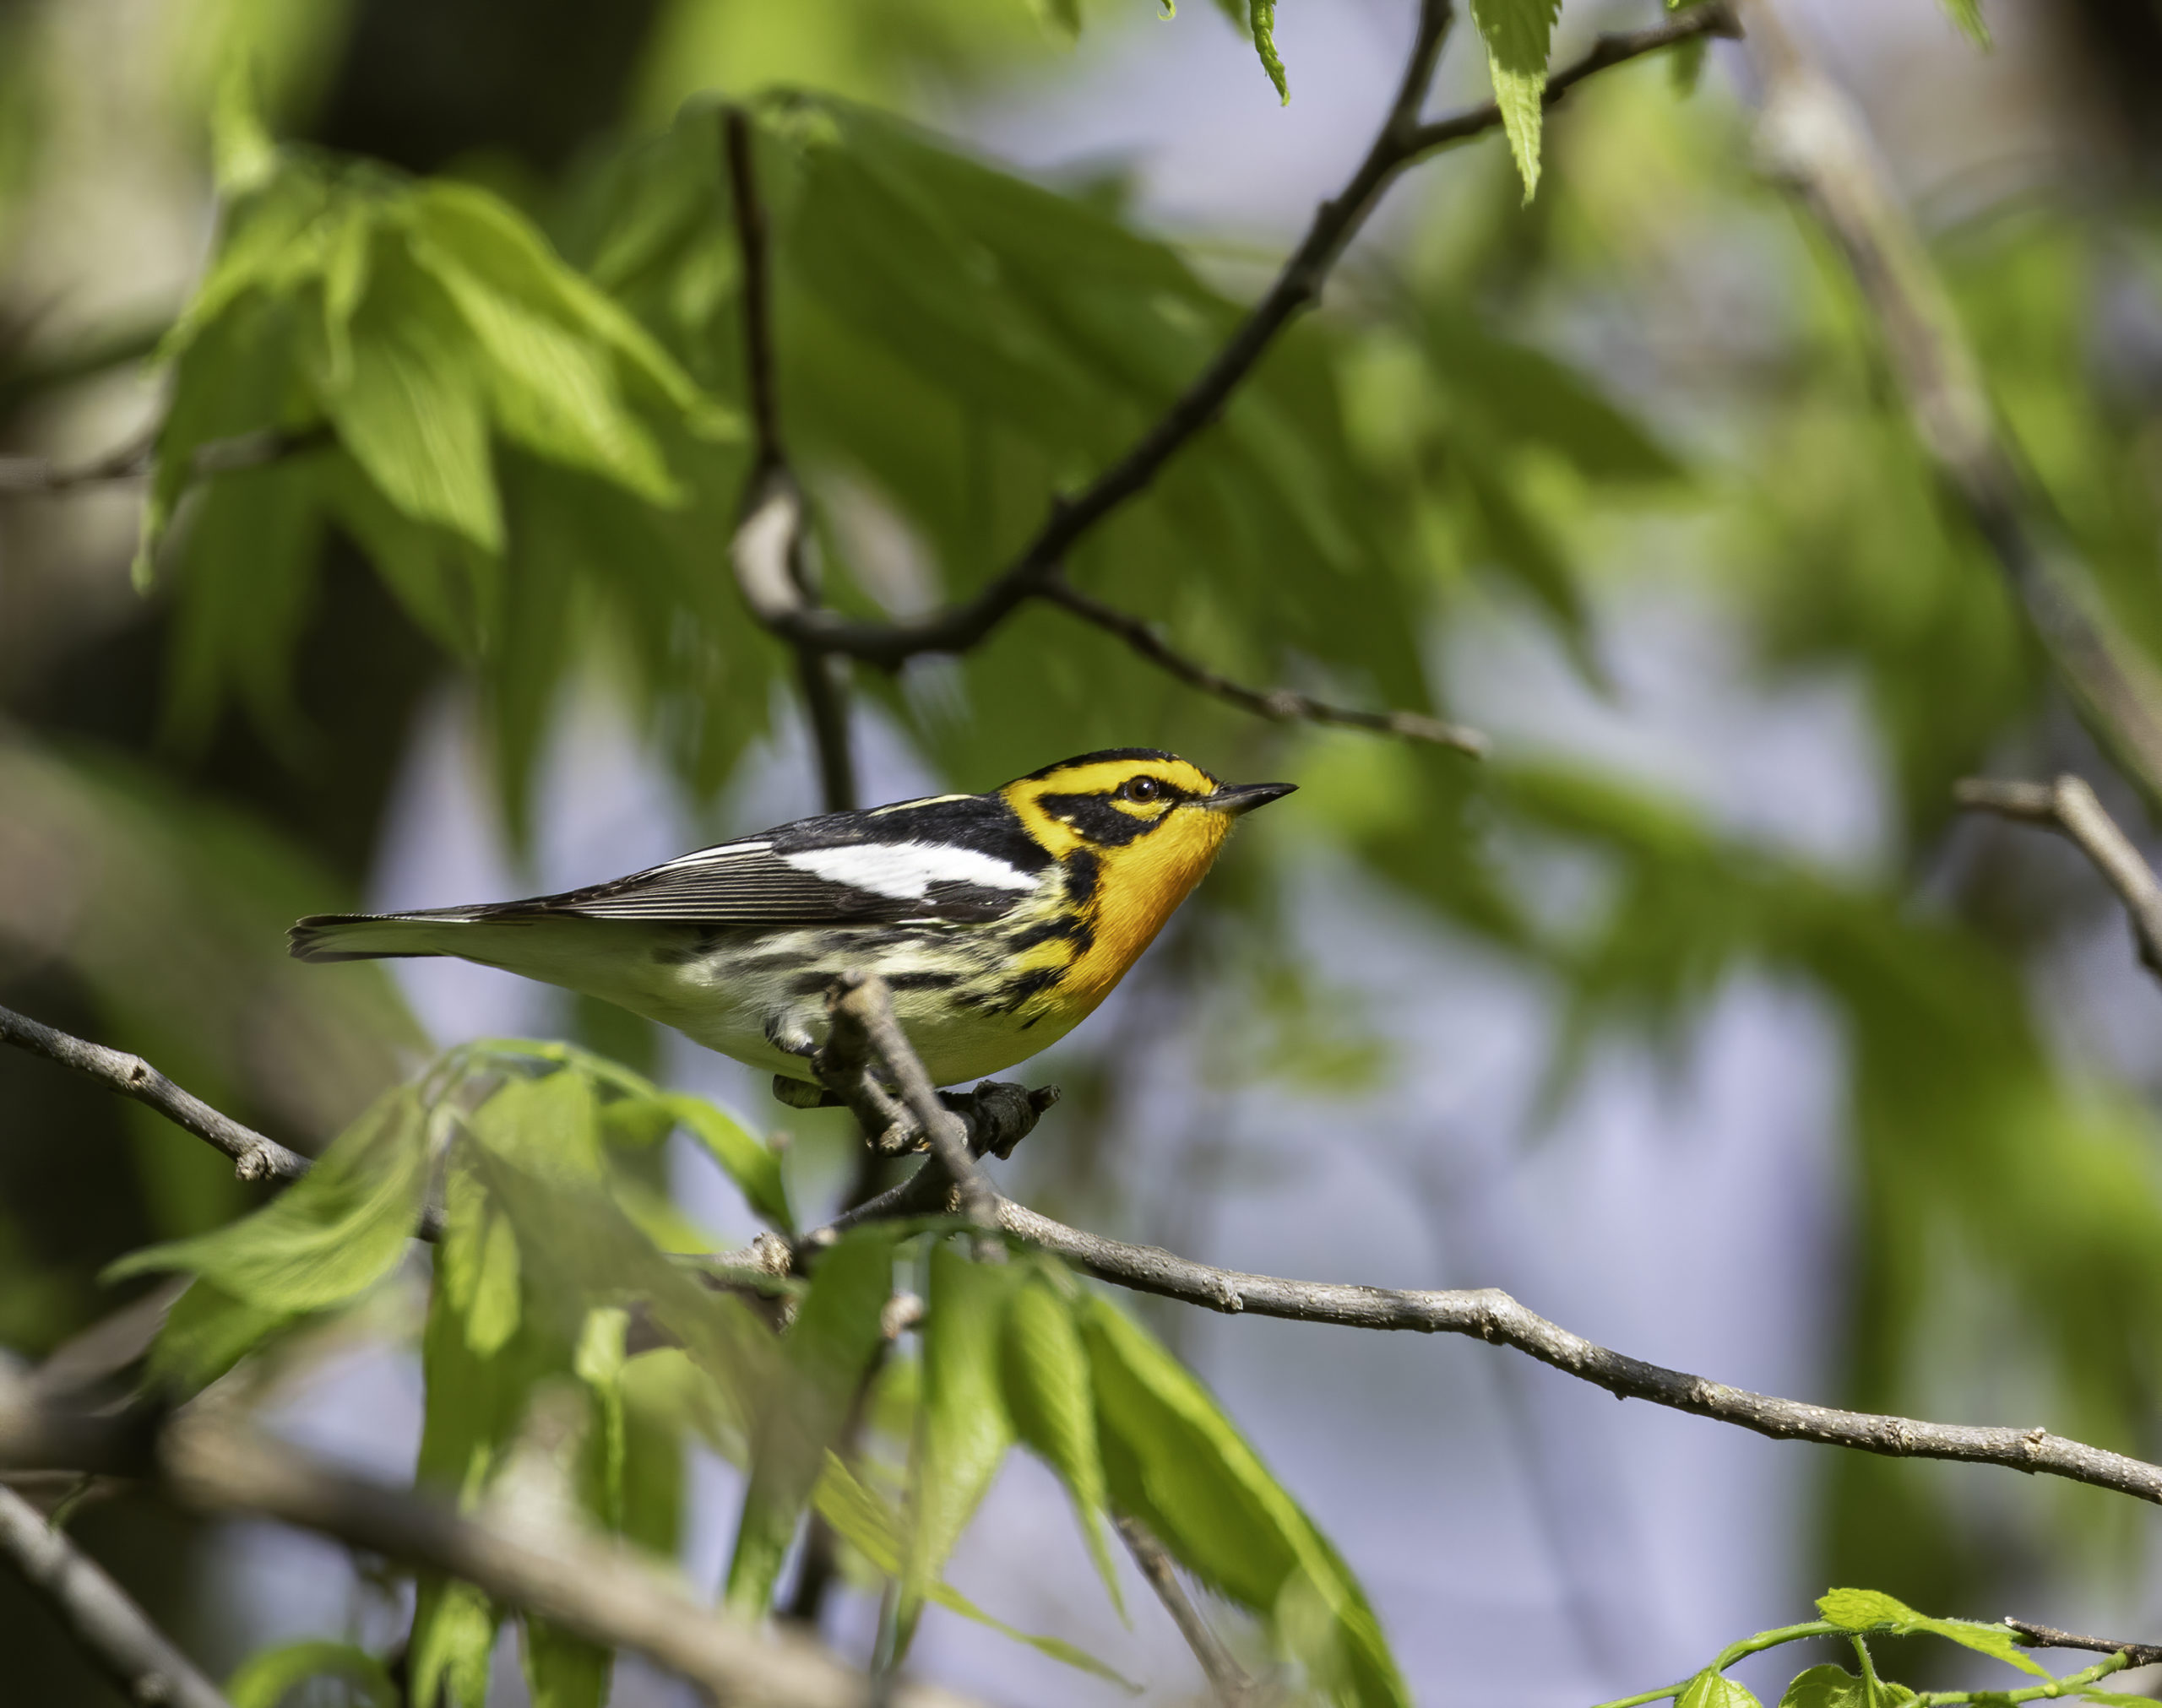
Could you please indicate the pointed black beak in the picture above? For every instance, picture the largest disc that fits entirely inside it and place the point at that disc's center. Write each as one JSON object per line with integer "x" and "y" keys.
{"x": 1235, "y": 798}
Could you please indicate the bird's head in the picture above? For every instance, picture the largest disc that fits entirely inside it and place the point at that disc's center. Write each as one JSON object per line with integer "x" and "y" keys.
{"x": 1134, "y": 805}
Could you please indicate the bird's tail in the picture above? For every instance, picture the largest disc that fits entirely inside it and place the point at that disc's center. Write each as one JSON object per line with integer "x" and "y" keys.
{"x": 376, "y": 936}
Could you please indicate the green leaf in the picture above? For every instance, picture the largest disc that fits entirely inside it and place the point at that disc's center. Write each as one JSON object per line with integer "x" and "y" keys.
{"x": 873, "y": 1529}
{"x": 205, "y": 1334}
{"x": 413, "y": 411}
{"x": 1260, "y": 22}
{"x": 1173, "y": 1460}
{"x": 1826, "y": 1687}
{"x": 263, "y": 1679}
{"x": 1968, "y": 15}
{"x": 477, "y": 1262}
{"x": 1045, "y": 1372}
{"x": 824, "y": 1356}
{"x": 333, "y": 1233}
{"x": 1715, "y": 1689}
{"x": 1517, "y": 34}
{"x": 1872, "y": 1610}
{"x": 561, "y": 1670}
{"x": 453, "y": 1636}
{"x": 1061, "y": 18}
{"x": 962, "y": 1429}
{"x": 747, "y": 1160}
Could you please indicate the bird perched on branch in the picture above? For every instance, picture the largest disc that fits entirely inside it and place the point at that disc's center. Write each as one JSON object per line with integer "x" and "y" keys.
{"x": 998, "y": 921}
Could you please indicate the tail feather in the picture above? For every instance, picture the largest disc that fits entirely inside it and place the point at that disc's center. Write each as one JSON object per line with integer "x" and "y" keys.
{"x": 374, "y": 937}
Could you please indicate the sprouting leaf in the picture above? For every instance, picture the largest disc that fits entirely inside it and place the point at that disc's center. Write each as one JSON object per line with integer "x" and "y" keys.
{"x": 1968, "y": 15}
{"x": 1715, "y": 1689}
{"x": 1048, "y": 1396}
{"x": 962, "y": 1429}
{"x": 1173, "y": 1460}
{"x": 873, "y": 1529}
{"x": 1826, "y": 1687}
{"x": 1872, "y": 1610}
{"x": 1261, "y": 20}
{"x": 824, "y": 1359}
{"x": 264, "y": 1679}
{"x": 333, "y": 1233}
{"x": 1517, "y": 34}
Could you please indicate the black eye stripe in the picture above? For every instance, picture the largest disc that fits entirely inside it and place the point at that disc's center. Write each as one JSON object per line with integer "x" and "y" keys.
{"x": 1096, "y": 817}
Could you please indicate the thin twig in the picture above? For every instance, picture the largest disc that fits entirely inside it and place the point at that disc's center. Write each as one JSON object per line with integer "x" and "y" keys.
{"x": 1281, "y": 705}
{"x": 584, "y": 1582}
{"x": 863, "y": 1026}
{"x": 773, "y": 565}
{"x": 1491, "y": 1314}
{"x": 1615, "y": 48}
{"x": 2069, "y": 805}
{"x": 115, "y": 1635}
{"x": 1814, "y": 139}
{"x": 1298, "y": 284}
{"x": 255, "y": 1158}
{"x": 2033, "y": 1636}
{"x": 1232, "y": 1686}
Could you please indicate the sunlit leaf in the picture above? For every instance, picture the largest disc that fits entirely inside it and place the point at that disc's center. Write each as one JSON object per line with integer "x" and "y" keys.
{"x": 1826, "y": 1687}
{"x": 1517, "y": 34}
{"x": 1712, "y": 1690}
{"x": 1871, "y": 1610}
{"x": 1045, "y": 1369}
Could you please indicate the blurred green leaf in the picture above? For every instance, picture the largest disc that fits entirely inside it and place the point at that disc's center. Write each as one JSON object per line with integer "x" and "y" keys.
{"x": 266, "y": 1678}
{"x": 747, "y": 1160}
{"x": 1826, "y": 1687}
{"x": 1045, "y": 1384}
{"x": 1173, "y": 1460}
{"x": 962, "y": 1429}
{"x": 824, "y": 1357}
{"x": 563, "y": 1671}
{"x": 205, "y": 1334}
{"x": 454, "y": 1635}
{"x": 874, "y": 1530}
{"x": 1968, "y": 15}
{"x": 334, "y": 1231}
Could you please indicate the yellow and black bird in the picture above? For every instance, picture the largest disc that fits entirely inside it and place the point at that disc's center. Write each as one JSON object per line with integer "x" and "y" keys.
{"x": 999, "y": 921}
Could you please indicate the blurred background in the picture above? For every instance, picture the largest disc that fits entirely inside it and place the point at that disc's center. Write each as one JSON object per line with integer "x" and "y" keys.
{"x": 1694, "y": 1018}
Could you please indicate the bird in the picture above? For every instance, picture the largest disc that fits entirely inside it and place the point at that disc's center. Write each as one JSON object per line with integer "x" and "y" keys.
{"x": 998, "y": 921}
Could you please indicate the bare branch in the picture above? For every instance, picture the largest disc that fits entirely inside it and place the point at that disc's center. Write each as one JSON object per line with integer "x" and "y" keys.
{"x": 2035, "y": 1636}
{"x": 115, "y": 1635}
{"x": 1227, "y": 1678}
{"x": 255, "y": 1158}
{"x": 1491, "y": 1314}
{"x": 1281, "y": 705}
{"x": 2069, "y": 805}
{"x": 772, "y": 566}
{"x": 864, "y": 1035}
{"x": 1812, "y": 136}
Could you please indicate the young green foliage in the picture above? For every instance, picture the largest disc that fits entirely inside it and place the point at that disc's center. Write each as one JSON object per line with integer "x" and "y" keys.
{"x": 268, "y": 1677}
{"x": 1518, "y": 35}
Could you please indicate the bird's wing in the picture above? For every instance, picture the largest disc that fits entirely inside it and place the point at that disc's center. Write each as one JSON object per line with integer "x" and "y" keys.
{"x": 950, "y": 858}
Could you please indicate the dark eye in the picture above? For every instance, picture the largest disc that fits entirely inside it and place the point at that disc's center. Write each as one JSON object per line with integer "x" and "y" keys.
{"x": 1141, "y": 788}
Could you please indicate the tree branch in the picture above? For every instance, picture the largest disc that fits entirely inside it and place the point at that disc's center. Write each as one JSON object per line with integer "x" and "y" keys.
{"x": 1812, "y": 136}
{"x": 2069, "y": 807}
{"x": 115, "y": 1635}
{"x": 1227, "y": 1678}
{"x": 2035, "y": 1636}
{"x": 1491, "y": 1314}
{"x": 1281, "y": 705}
{"x": 772, "y": 567}
{"x": 255, "y": 1158}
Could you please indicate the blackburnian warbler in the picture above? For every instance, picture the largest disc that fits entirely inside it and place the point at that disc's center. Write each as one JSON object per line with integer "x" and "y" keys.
{"x": 998, "y": 921}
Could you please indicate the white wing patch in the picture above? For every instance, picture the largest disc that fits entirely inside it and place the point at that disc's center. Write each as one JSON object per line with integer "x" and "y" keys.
{"x": 707, "y": 856}
{"x": 906, "y": 870}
